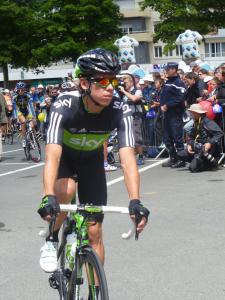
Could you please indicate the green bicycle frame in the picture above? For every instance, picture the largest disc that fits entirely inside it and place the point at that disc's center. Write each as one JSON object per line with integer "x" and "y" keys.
{"x": 82, "y": 240}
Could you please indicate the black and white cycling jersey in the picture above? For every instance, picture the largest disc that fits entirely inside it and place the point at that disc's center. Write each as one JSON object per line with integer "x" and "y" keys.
{"x": 78, "y": 130}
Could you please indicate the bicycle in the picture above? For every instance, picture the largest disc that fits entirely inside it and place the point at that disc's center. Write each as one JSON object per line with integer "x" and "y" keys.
{"x": 32, "y": 149}
{"x": 113, "y": 149}
{"x": 86, "y": 271}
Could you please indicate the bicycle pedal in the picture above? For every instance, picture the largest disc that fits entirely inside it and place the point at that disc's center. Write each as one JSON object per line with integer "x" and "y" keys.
{"x": 53, "y": 281}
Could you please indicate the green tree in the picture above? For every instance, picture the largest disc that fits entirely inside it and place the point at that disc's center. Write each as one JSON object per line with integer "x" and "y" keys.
{"x": 37, "y": 33}
{"x": 179, "y": 15}
{"x": 15, "y": 18}
{"x": 70, "y": 27}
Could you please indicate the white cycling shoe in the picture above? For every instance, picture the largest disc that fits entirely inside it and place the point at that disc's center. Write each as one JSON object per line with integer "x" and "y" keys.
{"x": 48, "y": 259}
{"x": 109, "y": 168}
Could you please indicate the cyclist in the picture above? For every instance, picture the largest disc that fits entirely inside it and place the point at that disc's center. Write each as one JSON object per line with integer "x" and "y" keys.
{"x": 22, "y": 108}
{"x": 80, "y": 122}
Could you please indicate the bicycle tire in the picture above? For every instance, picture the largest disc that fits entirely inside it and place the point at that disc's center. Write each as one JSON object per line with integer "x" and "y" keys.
{"x": 27, "y": 150}
{"x": 86, "y": 256}
{"x": 63, "y": 281}
{"x": 34, "y": 149}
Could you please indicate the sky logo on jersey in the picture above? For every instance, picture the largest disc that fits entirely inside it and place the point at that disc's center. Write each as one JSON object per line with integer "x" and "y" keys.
{"x": 64, "y": 102}
{"x": 121, "y": 105}
{"x": 84, "y": 142}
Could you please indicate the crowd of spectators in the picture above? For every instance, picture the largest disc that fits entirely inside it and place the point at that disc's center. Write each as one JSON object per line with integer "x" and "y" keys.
{"x": 164, "y": 112}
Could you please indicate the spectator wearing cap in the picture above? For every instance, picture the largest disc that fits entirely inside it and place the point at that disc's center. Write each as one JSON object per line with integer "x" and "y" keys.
{"x": 149, "y": 87}
{"x": 172, "y": 106}
{"x": 203, "y": 144}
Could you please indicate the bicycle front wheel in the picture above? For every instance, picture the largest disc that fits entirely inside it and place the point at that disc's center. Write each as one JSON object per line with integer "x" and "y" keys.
{"x": 34, "y": 148}
{"x": 27, "y": 149}
{"x": 88, "y": 281}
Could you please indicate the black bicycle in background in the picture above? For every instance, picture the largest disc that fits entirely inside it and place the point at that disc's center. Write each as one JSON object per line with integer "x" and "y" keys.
{"x": 32, "y": 147}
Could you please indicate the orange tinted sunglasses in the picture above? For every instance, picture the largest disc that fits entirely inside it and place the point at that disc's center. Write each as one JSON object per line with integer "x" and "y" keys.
{"x": 104, "y": 82}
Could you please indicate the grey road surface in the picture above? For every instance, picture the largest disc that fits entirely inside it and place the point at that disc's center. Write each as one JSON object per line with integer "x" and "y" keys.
{"x": 180, "y": 255}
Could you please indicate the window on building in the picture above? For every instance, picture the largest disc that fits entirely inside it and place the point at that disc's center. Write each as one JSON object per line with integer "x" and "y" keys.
{"x": 179, "y": 50}
{"x": 136, "y": 24}
{"x": 223, "y": 49}
{"x": 155, "y": 26}
{"x": 127, "y": 29}
{"x": 214, "y": 49}
{"x": 169, "y": 53}
{"x": 142, "y": 53}
{"x": 126, "y": 3}
{"x": 158, "y": 51}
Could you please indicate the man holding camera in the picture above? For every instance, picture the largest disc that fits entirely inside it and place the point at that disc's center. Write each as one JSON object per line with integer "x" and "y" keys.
{"x": 133, "y": 97}
{"x": 204, "y": 142}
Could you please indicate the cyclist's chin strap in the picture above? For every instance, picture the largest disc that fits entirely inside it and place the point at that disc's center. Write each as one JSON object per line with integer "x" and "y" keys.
{"x": 88, "y": 93}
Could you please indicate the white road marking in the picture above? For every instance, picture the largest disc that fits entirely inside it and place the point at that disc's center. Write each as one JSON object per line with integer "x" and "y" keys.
{"x": 21, "y": 163}
{"x": 23, "y": 169}
{"x": 109, "y": 183}
{"x": 13, "y": 150}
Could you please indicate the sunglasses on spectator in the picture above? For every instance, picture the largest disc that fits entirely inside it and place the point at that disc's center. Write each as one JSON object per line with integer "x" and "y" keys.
{"x": 199, "y": 74}
{"x": 104, "y": 82}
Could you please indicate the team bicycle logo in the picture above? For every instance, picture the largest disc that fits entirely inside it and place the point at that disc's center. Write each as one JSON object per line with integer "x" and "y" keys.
{"x": 63, "y": 103}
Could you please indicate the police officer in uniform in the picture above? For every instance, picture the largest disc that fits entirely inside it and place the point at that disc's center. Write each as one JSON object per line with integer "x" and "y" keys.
{"x": 172, "y": 106}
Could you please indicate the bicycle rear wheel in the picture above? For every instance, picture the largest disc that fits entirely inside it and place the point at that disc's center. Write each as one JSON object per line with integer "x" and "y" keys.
{"x": 88, "y": 277}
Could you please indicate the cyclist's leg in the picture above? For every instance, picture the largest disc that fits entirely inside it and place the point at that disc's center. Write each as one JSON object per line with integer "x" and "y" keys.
{"x": 65, "y": 189}
{"x": 92, "y": 190}
{"x": 22, "y": 121}
{"x": 96, "y": 239}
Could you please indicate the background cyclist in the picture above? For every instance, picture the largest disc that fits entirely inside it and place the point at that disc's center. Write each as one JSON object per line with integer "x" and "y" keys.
{"x": 22, "y": 108}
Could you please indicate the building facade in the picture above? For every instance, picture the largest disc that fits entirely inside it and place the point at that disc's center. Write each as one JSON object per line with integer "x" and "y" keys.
{"x": 141, "y": 26}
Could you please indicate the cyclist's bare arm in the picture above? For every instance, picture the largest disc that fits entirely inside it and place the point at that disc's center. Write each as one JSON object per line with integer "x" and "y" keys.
{"x": 131, "y": 177}
{"x": 53, "y": 155}
{"x": 130, "y": 170}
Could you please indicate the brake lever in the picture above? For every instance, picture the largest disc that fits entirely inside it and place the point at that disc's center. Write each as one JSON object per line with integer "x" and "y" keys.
{"x": 137, "y": 221}
{"x": 51, "y": 227}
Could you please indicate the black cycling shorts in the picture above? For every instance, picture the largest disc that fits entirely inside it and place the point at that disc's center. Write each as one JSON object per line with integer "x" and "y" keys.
{"x": 137, "y": 129}
{"x": 90, "y": 173}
